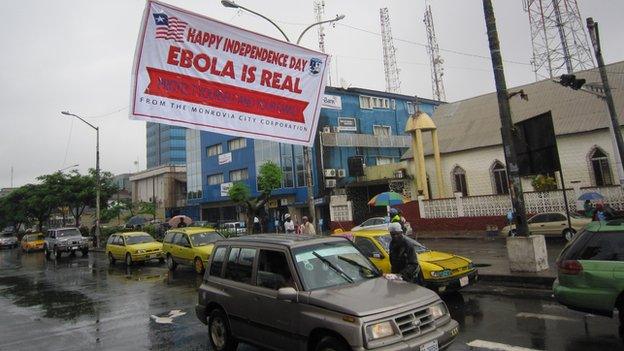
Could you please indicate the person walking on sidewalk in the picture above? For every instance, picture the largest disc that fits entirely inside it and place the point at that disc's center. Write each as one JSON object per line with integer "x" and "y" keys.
{"x": 307, "y": 228}
{"x": 403, "y": 259}
{"x": 289, "y": 225}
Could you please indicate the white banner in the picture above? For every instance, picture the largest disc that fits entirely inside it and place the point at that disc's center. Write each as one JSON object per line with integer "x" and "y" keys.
{"x": 196, "y": 72}
{"x": 225, "y": 188}
{"x": 225, "y": 158}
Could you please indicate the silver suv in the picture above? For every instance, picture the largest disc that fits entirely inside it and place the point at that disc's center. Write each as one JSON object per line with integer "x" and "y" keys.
{"x": 291, "y": 292}
{"x": 61, "y": 240}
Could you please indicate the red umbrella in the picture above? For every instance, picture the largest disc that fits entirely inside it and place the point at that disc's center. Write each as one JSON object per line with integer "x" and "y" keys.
{"x": 175, "y": 221}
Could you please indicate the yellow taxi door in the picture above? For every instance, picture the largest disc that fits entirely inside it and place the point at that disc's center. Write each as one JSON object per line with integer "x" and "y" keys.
{"x": 185, "y": 250}
{"x": 374, "y": 252}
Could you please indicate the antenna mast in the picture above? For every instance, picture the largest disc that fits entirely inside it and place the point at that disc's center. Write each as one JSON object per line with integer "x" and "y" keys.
{"x": 391, "y": 70}
{"x": 437, "y": 71}
{"x": 558, "y": 36}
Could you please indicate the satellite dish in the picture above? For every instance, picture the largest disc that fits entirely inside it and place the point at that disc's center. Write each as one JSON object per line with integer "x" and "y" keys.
{"x": 344, "y": 84}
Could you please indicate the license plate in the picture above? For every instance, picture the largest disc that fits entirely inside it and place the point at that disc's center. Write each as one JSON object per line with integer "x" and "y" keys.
{"x": 430, "y": 346}
{"x": 74, "y": 248}
{"x": 153, "y": 256}
{"x": 463, "y": 281}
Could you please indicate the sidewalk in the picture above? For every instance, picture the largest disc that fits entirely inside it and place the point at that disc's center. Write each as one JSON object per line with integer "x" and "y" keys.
{"x": 490, "y": 256}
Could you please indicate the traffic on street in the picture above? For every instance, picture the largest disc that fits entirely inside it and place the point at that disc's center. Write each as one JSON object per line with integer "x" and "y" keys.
{"x": 83, "y": 303}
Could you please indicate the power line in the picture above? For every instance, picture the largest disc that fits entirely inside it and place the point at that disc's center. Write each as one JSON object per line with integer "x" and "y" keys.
{"x": 110, "y": 113}
{"x": 425, "y": 46}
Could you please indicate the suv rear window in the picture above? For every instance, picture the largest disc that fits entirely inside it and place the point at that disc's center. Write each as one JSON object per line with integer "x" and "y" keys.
{"x": 239, "y": 264}
{"x": 217, "y": 261}
{"x": 607, "y": 246}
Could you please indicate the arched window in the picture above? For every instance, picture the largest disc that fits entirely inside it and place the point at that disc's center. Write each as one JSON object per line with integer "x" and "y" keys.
{"x": 459, "y": 181}
{"x": 600, "y": 167}
{"x": 499, "y": 178}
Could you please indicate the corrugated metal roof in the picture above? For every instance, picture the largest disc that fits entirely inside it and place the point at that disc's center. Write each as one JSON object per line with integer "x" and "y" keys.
{"x": 475, "y": 122}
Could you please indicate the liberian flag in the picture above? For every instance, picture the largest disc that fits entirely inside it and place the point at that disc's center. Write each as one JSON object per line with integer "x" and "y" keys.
{"x": 169, "y": 27}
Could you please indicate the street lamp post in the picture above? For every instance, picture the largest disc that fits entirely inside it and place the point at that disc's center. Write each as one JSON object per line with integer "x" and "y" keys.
{"x": 97, "y": 175}
{"x": 307, "y": 159}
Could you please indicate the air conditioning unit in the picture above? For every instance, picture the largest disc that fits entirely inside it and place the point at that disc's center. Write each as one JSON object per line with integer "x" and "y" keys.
{"x": 326, "y": 129}
{"x": 340, "y": 191}
{"x": 335, "y": 129}
{"x": 330, "y": 183}
{"x": 330, "y": 173}
{"x": 342, "y": 173}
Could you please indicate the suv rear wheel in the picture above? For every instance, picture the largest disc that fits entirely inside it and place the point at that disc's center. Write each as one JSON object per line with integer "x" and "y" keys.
{"x": 111, "y": 259}
{"x": 330, "y": 343}
{"x": 219, "y": 333}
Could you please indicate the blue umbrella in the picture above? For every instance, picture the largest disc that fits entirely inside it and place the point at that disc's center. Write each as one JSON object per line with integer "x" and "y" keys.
{"x": 591, "y": 196}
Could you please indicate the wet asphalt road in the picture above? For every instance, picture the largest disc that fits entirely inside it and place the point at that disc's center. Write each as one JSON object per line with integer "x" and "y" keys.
{"x": 81, "y": 303}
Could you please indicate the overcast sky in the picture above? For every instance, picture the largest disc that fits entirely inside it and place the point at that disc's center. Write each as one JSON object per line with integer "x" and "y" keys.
{"x": 77, "y": 55}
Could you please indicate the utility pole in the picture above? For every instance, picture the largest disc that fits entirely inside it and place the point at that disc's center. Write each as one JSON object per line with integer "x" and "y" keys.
{"x": 594, "y": 34}
{"x": 517, "y": 196}
{"x": 11, "y": 176}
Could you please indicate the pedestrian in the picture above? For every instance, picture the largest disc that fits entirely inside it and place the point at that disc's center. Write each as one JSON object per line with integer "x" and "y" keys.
{"x": 289, "y": 225}
{"x": 256, "y": 225}
{"x": 403, "y": 258}
{"x": 588, "y": 208}
{"x": 396, "y": 217}
{"x": 182, "y": 223}
{"x": 307, "y": 227}
{"x": 599, "y": 214}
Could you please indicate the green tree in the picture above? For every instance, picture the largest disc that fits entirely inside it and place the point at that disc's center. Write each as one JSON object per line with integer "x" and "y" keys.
{"x": 13, "y": 209}
{"x": 269, "y": 179}
{"x": 40, "y": 201}
{"x": 148, "y": 208}
{"x": 543, "y": 183}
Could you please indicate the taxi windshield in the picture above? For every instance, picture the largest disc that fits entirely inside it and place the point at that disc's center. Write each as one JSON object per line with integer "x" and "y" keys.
{"x": 139, "y": 239}
{"x": 207, "y": 238}
{"x": 330, "y": 264}
{"x": 385, "y": 240}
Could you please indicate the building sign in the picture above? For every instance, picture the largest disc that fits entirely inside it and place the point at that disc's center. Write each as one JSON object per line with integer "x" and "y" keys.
{"x": 332, "y": 102}
{"x": 225, "y": 158}
{"x": 272, "y": 203}
{"x": 196, "y": 72}
{"x": 347, "y": 124}
{"x": 225, "y": 188}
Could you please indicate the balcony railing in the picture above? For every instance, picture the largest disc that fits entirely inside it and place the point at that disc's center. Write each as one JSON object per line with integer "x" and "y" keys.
{"x": 365, "y": 140}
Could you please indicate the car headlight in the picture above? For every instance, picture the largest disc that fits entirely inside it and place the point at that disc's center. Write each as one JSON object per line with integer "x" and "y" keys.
{"x": 441, "y": 274}
{"x": 379, "y": 330}
{"x": 438, "y": 310}
{"x": 140, "y": 251}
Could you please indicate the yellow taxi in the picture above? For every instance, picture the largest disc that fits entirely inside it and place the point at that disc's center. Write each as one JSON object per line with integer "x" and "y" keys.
{"x": 133, "y": 247}
{"x": 32, "y": 242}
{"x": 190, "y": 246}
{"x": 439, "y": 271}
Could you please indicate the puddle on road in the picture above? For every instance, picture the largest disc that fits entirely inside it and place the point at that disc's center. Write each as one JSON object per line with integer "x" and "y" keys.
{"x": 55, "y": 303}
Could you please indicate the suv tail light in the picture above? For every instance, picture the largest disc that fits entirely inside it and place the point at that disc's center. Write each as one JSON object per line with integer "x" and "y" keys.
{"x": 572, "y": 267}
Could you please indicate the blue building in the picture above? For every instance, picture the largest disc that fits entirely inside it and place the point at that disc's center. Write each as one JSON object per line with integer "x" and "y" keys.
{"x": 357, "y": 127}
{"x": 166, "y": 145}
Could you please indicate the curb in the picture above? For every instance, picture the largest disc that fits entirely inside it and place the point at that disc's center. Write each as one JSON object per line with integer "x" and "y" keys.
{"x": 518, "y": 281}
{"x": 507, "y": 291}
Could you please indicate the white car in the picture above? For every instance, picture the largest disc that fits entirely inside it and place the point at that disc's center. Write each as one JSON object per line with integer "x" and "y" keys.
{"x": 379, "y": 223}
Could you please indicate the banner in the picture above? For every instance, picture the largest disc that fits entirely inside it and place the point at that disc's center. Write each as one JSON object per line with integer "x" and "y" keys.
{"x": 196, "y": 72}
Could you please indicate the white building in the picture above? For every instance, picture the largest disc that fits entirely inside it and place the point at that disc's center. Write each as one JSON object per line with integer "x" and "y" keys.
{"x": 163, "y": 185}
{"x": 473, "y": 161}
